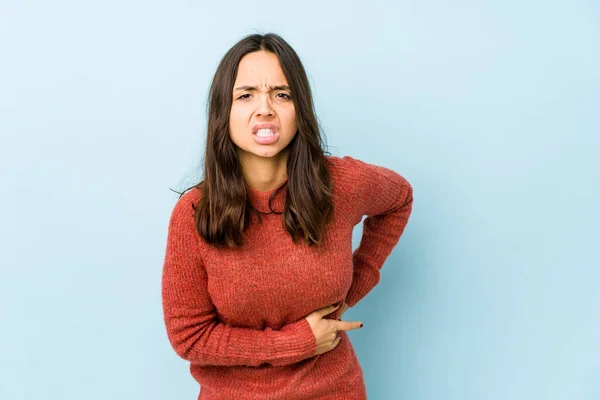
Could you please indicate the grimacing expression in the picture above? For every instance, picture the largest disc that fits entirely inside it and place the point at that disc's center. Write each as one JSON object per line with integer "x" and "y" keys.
{"x": 261, "y": 96}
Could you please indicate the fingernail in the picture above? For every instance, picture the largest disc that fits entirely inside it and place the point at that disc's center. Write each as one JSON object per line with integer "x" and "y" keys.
{"x": 339, "y": 319}
{"x": 361, "y": 325}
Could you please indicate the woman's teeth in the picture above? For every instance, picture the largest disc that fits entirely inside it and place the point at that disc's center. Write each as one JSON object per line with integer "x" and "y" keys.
{"x": 264, "y": 132}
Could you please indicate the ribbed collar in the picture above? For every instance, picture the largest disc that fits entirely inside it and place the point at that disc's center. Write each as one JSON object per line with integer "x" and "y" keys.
{"x": 260, "y": 199}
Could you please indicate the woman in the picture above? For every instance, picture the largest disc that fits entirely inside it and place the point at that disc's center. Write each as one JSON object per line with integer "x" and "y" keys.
{"x": 259, "y": 266}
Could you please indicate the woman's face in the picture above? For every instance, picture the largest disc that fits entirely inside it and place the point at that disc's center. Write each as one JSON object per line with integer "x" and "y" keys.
{"x": 261, "y": 96}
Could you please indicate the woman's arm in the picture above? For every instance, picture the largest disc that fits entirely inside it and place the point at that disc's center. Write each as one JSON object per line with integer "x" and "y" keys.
{"x": 386, "y": 198}
{"x": 191, "y": 320}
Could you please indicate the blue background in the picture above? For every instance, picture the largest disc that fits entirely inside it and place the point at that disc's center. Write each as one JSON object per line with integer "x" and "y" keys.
{"x": 489, "y": 108}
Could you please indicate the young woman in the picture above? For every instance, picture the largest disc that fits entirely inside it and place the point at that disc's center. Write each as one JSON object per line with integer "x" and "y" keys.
{"x": 259, "y": 265}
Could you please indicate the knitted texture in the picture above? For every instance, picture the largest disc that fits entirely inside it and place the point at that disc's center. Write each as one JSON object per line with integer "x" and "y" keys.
{"x": 238, "y": 315}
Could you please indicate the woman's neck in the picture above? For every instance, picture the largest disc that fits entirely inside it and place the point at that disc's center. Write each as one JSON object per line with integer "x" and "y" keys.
{"x": 264, "y": 173}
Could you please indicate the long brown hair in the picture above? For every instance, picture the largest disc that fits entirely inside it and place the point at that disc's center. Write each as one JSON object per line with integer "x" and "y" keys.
{"x": 223, "y": 211}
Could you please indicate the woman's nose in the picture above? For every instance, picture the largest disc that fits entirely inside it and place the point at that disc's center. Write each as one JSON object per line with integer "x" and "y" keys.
{"x": 264, "y": 105}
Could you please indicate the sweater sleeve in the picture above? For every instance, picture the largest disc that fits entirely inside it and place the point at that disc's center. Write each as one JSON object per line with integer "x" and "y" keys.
{"x": 386, "y": 198}
{"x": 193, "y": 328}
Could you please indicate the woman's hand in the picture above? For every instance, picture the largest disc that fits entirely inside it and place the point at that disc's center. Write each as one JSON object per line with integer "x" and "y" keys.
{"x": 325, "y": 330}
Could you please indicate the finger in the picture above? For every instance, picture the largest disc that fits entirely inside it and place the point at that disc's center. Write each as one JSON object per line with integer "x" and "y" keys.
{"x": 335, "y": 343}
{"x": 347, "y": 325}
{"x": 327, "y": 310}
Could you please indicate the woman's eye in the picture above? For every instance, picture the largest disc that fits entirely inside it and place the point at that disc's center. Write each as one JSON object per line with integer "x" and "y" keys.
{"x": 288, "y": 97}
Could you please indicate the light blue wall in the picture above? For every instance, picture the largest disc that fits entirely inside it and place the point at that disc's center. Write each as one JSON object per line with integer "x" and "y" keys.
{"x": 490, "y": 109}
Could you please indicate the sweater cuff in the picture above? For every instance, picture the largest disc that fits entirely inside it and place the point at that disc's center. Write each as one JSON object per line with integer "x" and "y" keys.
{"x": 294, "y": 342}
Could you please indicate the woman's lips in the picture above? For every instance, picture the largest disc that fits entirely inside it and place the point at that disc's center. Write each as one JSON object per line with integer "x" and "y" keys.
{"x": 266, "y": 139}
{"x": 266, "y": 125}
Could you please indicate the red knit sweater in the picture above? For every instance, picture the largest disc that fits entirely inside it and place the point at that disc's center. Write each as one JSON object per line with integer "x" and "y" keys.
{"x": 238, "y": 315}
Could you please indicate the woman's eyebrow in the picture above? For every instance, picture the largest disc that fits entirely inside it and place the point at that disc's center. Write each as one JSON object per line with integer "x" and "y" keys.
{"x": 255, "y": 88}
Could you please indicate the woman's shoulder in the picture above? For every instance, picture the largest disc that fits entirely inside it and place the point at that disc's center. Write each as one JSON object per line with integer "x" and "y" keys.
{"x": 358, "y": 177}
{"x": 345, "y": 169}
{"x": 188, "y": 199}
{"x": 191, "y": 194}
{"x": 354, "y": 168}
{"x": 343, "y": 164}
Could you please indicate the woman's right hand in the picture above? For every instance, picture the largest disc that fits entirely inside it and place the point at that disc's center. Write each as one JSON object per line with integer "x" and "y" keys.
{"x": 325, "y": 330}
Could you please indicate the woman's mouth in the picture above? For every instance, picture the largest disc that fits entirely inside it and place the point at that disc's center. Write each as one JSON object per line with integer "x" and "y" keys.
{"x": 266, "y": 136}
